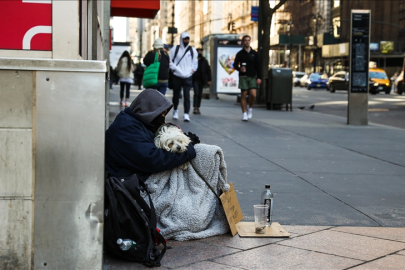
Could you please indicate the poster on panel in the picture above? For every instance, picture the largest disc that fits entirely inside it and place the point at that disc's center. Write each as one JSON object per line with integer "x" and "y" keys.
{"x": 227, "y": 76}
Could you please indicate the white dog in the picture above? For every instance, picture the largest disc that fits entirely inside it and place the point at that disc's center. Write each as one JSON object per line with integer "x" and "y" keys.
{"x": 171, "y": 138}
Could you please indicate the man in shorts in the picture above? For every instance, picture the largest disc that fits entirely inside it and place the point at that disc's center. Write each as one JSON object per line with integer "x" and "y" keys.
{"x": 247, "y": 62}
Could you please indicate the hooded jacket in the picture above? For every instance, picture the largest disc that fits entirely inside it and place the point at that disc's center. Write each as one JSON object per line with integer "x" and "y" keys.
{"x": 129, "y": 146}
{"x": 188, "y": 65}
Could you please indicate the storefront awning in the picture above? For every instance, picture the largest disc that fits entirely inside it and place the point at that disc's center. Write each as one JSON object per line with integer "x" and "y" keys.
{"x": 135, "y": 9}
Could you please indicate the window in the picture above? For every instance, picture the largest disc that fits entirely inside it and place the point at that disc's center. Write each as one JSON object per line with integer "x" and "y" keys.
{"x": 336, "y": 3}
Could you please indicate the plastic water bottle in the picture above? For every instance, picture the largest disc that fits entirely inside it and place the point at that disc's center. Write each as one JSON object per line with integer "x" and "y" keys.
{"x": 267, "y": 198}
{"x": 126, "y": 244}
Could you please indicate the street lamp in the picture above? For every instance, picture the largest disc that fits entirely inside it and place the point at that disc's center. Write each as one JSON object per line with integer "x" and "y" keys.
{"x": 290, "y": 25}
{"x": 315, "y": 19}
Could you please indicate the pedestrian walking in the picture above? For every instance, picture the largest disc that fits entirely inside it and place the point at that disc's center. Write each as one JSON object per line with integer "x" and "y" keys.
{"x": 247, "y": 62}
{"x": 139, "y": 70}
{"x": 163, "y": 58}
{"x": 183, "y": 63}
{"x": 201, "y": 78}
{"x": 125, "y": 72}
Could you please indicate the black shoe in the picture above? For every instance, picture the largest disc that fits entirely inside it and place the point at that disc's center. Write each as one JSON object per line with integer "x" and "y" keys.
{"x": 195, "y": 111}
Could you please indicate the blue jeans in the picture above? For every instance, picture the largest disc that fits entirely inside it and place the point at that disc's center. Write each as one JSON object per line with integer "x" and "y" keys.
{"x": 161, "y": 87}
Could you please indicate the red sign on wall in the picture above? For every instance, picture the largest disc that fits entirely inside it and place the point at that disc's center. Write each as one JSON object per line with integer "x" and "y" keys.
{"x": 26, "y": 25}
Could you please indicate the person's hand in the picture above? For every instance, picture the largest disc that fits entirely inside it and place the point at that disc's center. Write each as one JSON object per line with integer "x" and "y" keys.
{"x": 172, "y": 66}
{"x": 258, "y": 81}
{"x": 242, "y": 69}
{"x": 194, "y": 138}
{"x": 208, "y": 83}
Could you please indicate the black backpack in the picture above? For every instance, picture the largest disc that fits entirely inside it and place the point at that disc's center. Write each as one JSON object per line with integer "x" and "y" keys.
{"x": 128, "y": 216}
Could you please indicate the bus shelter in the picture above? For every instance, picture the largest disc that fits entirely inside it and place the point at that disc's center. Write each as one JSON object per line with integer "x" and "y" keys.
{"x": 220, "y": 51}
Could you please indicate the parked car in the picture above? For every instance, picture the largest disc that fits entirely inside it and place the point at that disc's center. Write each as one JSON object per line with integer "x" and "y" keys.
{"x": 304, "y": 80}
{"x": 317, "y": 80}
{"x": 381, "y": 81}
{"x": 297, "y": 75}
{"x": 339, "y": 81}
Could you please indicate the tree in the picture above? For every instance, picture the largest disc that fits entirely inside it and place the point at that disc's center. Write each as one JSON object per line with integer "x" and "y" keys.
{"x": 267, "y": 15}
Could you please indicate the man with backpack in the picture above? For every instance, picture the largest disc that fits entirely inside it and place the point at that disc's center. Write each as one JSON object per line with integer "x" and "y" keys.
{"x": 183, "y": 63}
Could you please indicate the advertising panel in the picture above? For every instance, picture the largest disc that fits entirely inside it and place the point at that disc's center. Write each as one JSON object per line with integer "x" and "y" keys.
{"x": 360, "y": 50}
{"x": 26, "y": 25}
{"x": 387, "y": 46}
{"x": 374, "y": 46}
{"x": 227, "y": 76}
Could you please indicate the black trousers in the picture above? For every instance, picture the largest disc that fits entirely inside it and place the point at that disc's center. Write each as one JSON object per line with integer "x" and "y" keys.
{"x": 127, "y": 87}
{"x": 186, "y": 84}
{"x": 139, "y": 80}
{"x": 198, "y": 89}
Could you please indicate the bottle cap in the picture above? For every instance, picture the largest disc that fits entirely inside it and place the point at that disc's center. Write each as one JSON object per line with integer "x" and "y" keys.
{"x": 119, "y": 241}
{"x": 267, "y": 186}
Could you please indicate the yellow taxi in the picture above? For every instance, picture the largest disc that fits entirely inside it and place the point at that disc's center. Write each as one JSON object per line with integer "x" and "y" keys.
{"x": 379, "y": 81}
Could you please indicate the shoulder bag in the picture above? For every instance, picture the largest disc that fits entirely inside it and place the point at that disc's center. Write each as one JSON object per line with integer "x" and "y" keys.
{"x": 150, "y": 76}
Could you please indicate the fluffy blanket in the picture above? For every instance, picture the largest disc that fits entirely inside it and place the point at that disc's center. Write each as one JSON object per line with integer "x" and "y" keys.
{"x": 186, "y": 207}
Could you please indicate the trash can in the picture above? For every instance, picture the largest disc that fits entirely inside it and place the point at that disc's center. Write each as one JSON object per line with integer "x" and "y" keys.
{"x": 279, "y": 89}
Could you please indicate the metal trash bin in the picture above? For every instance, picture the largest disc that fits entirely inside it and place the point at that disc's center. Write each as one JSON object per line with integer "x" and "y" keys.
{"x": 279, "y": 88}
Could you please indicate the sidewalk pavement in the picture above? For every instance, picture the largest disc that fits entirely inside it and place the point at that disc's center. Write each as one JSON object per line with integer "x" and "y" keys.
{"x": 339, "y": 190}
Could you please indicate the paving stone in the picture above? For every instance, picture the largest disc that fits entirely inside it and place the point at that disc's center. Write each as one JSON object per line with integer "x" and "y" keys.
{"x": 238, "y": 242}
{"x": 396, "y": 234}
{"x": 346, "y": 245}
{"x": 206, "y": 265}
{"x": 301, "y": 230}
{"x": 110, "y": 263}
{"x": 280, "y": 257}
{"x": 188, "y": 252}
{"x": 386, "y": 263}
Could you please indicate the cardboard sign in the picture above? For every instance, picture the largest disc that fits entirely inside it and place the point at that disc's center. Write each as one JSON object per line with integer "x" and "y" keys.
{"x": 232, "y": 209}
{"x": 247, "y": 229}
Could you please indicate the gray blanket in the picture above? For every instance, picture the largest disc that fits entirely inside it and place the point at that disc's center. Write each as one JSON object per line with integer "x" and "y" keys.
{"x": 186, "y": 207}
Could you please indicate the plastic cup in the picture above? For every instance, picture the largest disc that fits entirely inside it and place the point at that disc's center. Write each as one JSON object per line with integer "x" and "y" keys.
{"x": 261, "y": 211}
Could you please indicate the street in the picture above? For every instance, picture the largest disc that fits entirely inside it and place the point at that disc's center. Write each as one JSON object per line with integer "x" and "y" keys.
{"x": 383, "y": 109}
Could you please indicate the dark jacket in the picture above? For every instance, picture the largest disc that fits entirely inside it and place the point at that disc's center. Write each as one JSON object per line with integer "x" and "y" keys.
{"x": 253, "y": 68}
{"x": 139, "y": 69}
{"x": 203, "y": 72}
{"x": 129, "y": 146}
{"x": 164, "y": 63}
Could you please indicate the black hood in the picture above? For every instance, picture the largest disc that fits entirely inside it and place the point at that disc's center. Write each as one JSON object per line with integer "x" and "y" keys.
{"x": 149, "y": 104}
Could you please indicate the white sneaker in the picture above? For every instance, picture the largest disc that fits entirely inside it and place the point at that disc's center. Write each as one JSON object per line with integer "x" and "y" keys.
{"x": 249, "y": 113}
{"x": 244, "y": 117}
{"x": 175, "y": 114}
{"x": 186, "y": 117}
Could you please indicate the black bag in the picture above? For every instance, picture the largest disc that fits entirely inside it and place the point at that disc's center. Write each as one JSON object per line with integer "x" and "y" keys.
{"x": 170, "y": 83}
{"x": 128, "y": 216}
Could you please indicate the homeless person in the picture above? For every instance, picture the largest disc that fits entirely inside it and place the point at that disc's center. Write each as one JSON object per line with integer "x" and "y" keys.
{"x": 186, "y": 207}
{"x": 129, "y": 146}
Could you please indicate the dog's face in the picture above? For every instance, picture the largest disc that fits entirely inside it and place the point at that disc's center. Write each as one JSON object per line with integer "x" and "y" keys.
{"x": 172, "y": 139}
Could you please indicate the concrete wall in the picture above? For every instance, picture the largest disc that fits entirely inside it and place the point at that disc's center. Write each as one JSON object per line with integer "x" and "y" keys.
{"x": 51, "y": 163}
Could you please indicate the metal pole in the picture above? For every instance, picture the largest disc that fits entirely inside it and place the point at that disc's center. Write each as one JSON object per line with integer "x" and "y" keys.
{"x": 315, "y": 42}
{"x": 172, "y": 43}
{"x": 299, "y": 58}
